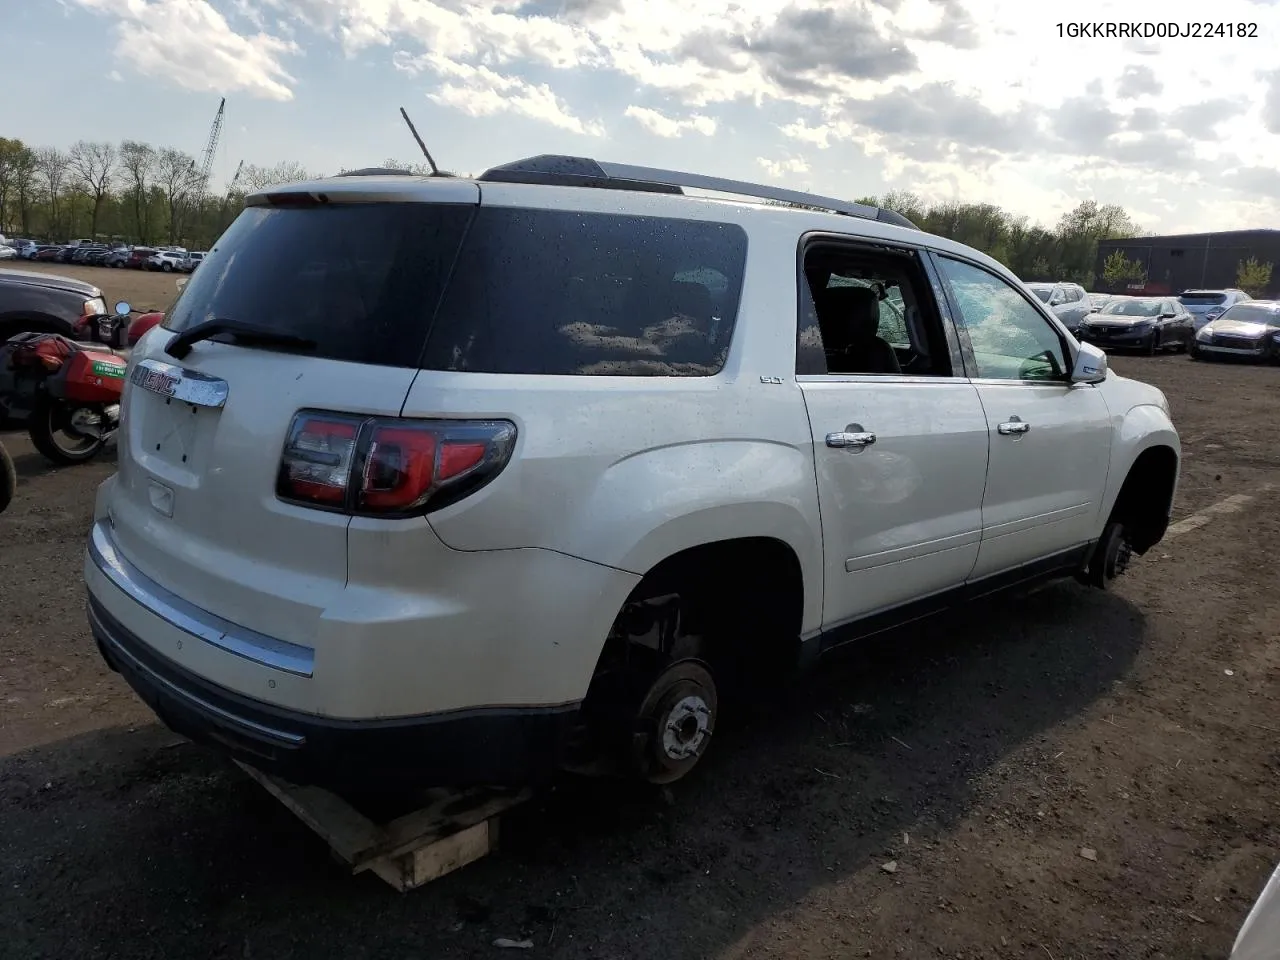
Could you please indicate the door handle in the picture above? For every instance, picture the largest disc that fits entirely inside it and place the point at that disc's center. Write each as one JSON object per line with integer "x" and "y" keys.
{"x": 855, "y": 440}
{"x": 1014, "y": 426}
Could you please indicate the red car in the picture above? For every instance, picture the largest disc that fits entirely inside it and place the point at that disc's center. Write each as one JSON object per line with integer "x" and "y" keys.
{"x": 138, "y": 258}
{"x": 47, "y": 253}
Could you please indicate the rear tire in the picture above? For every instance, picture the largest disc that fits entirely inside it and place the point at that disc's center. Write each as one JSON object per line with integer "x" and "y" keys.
{"x": 48, "y": 431}
{"x": 8, "y": 479}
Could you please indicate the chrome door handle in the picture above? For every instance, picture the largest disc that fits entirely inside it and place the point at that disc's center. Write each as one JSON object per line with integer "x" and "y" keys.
{"x": 1013, "y": 426}
{"x": 853, "y": 440}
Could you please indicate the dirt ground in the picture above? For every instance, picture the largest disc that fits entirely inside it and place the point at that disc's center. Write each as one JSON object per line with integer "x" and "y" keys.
{"x": 145, "y": 291}
{"x": 980, "y": 754}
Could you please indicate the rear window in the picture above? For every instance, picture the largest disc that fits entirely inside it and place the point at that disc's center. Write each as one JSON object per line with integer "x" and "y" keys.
{"x": 565, "y": 292}
{"x": 359, "y": 279}
{"x": 1202, "y": 300}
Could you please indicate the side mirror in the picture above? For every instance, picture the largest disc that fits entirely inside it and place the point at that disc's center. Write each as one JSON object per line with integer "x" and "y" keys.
{"x": 123, "y": 309}
{"x": 1091, "y": 365}
{"x": 1167, "y": 316}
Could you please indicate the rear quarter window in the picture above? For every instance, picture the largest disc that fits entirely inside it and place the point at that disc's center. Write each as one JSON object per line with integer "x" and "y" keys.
{"x": 590, "y": 294}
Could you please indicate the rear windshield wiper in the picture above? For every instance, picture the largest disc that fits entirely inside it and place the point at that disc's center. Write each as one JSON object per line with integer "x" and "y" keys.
{"x": 239, "y": 331}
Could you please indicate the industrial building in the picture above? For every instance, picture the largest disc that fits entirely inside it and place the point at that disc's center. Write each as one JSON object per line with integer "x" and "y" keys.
{"x": 1192, "y": 260}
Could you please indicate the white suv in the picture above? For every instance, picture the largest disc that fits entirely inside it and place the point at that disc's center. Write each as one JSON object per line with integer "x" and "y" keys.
{"x": 460, "y": 481}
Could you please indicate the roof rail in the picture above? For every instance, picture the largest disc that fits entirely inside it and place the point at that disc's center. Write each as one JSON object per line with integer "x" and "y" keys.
{"x": 375, "y": 172}
{"x": 584, "y": 172}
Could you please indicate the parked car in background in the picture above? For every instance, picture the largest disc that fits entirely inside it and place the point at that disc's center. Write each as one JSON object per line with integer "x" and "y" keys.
{"x": 1099, "y": 300}
{"x": 117, "y": 256}
{"x": 138, "y": 257}
{"x": 1249, "y": 330}
{"x": 193, "y": 260}
{"x": 46, "y": 254}
{"x": 1206, "y": 305}
{"x": 26, "y": 249}
{"x": 166, "y": 260}
{"x": 7, "y": 252}
{"x": 1149, "y": 324}
{"x": 96, "y": 256}
{"x": 1067, "y": 300}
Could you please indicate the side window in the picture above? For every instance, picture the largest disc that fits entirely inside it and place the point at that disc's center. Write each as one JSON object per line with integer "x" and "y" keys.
{"x": 865, "y": 311}
{"x": 1009, "y": 337}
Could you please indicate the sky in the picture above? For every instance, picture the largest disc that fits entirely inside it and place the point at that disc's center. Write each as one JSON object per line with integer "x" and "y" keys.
{"x": 983, "y": 101}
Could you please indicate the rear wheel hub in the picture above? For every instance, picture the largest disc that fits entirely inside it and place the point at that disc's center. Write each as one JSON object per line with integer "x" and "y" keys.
{"x": 676, "y": 722}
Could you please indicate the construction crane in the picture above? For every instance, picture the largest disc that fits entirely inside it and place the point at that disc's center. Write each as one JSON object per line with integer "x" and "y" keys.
{"x": 231, "y": 188}
{"x": 200, "y": 176}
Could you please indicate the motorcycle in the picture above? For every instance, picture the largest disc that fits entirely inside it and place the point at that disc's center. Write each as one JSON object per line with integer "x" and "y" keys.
{"x": 68, "y": 392}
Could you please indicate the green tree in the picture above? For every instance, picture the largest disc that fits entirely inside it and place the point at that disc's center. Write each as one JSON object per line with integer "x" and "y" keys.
{"x": 1118, "y": 269}
{"x": 1253, "y": 277}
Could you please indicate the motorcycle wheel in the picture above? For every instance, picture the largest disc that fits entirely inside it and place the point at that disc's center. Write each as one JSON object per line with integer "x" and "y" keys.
{"x": 8, "y": 479}
{"x": 51, "y": 433}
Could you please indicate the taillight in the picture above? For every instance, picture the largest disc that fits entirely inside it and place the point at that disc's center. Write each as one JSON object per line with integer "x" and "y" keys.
{"x": 383, "y": 466}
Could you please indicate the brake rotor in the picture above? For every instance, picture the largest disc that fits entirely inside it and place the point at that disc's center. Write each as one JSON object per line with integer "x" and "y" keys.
{"x": 676, "y": 722}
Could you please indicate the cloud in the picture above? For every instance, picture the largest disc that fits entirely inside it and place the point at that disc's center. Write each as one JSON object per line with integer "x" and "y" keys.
{"x": 191, "y": 44}
{"x": 1271, "y": 105}
{"x": 806, "y": 47}
{"x": 1084, "y": 123}
{"x": 778, "y": 169}
{"x": 935, "y": 114}
{"x": 1264, "y": 181}
{"x": 1136, "y": 81}
{"x": 955, "y": 27}
{"x": 661, "y": 125}
{"x": 1197, "y": 119}
{"x": 481, "y": 92}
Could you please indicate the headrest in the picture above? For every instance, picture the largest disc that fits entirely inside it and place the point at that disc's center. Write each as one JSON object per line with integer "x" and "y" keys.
{"x": 858, "y": 307}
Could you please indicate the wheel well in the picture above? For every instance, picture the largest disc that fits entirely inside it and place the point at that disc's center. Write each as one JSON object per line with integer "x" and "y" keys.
{"x": 1146, "y": 496}
{"x": 736, "y": 604}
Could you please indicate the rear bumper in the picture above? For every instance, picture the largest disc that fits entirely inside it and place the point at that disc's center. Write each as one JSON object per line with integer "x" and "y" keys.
{"x": 499, "y": 745}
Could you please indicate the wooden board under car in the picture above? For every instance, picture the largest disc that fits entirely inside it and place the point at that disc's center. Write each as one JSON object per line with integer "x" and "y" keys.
{"x": 450, "y": 829}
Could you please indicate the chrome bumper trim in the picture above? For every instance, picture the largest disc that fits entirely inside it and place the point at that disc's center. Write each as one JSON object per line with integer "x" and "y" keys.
{"x": 187, "y": 617}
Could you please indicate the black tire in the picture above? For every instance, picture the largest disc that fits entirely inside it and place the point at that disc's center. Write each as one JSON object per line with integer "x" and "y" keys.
{"x": 166, "y": 267}
{"x": 8, "y": 478}
{"x": 1110, "y": 557}
{"x": 45, "y": 429}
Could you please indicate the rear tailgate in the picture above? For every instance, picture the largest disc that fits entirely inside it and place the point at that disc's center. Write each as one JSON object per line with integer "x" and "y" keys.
{"x": 195, "y": 506}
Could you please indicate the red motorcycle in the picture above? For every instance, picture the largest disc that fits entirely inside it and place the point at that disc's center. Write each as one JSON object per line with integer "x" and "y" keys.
{"x": 67, "y": 392}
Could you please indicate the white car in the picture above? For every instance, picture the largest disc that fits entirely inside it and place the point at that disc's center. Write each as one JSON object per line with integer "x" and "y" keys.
{"x": 7, "y": 252}
{"x": 166, "y": 260}
{"x": 494, "y": 476}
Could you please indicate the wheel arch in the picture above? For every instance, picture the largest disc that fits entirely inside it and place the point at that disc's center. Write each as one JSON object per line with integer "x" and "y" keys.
{"x": 1144, "y": 494}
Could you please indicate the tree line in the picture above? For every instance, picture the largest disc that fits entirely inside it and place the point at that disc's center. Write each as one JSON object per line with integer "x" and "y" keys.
{"x": 139, "y": 193}
{"x": 130, "y": 191}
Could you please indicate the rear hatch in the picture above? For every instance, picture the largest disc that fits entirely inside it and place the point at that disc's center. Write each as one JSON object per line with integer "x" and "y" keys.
{"x": 325, "y": 301}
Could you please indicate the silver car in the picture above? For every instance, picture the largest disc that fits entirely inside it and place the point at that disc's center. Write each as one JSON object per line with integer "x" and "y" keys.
{"x": 1067, "y": 300}
{"x": 1209, "y": 305}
